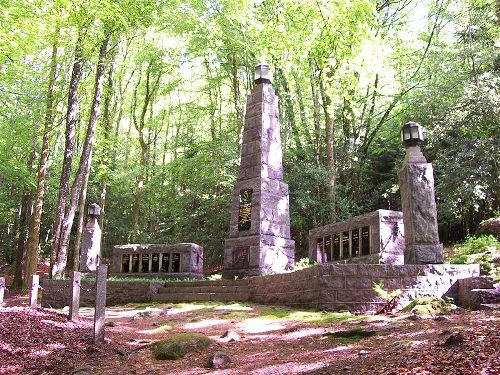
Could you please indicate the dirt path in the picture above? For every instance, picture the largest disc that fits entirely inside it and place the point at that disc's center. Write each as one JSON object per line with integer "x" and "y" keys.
{"x": 273, "y": 340}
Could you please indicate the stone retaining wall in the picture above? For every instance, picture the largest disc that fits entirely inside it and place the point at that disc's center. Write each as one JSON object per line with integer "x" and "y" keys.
{"x": 350, "y": 287}
{"x": 57, "y": 293}
{"x": 330, "y": 287}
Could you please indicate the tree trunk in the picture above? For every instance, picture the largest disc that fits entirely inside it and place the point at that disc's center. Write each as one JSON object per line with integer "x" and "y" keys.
{"x": 236, "y": 94}
{"x": 316, "y": 115}
{"x": 107, "y": 119}
{"x": 139, "y": 125}
{"x": 34, "y": 227}
{"x": 22, "y": 236}
{"x": 85, "y": 162}
{"x": 68, "y": 152}
{"x": 330, "y": 150}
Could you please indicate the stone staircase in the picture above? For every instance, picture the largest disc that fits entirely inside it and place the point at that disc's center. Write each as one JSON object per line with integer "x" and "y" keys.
{"x": 187, "y": 291}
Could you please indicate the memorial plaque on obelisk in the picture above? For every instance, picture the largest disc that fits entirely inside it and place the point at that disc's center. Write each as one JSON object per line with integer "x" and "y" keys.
{"x": 260, "y": 240}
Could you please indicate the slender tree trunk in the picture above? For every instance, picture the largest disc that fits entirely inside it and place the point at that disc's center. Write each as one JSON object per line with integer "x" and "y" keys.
{"x": 107, "y": 120}
{"x": 80, "y": 223}
{"x": 68, "y": 152}
{"x": 330, "y": 150}
{"x": 22, "y": 237}
{"x": 34, "y": 228}
{"x": 139, "y": 125}
{"x": 303, "y": 119}
{"x": 289, "y": 112}
{"x": 236, "y": 94}
{"x": 316, "y": 115}
{"x": 85, "y": 162}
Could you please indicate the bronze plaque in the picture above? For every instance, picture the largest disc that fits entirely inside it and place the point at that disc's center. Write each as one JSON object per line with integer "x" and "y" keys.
{"x": 245, "y": 209}
{"x": 125, "y": 262}
{"x": 165, "y": 260}
{"x": 346, "y": 251}
{"x": 135, "y": 263}
{"x": 355, "y": 242}
{"x": 145, "y": 262}
{"x": 155, "y": 263}
{"x": 241, "y": 257}
{"x": 365, "y": 241}
{"x": 176, "y": 262}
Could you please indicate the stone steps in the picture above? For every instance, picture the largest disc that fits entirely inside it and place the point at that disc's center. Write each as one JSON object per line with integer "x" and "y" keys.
{"x": 221, "y": 290}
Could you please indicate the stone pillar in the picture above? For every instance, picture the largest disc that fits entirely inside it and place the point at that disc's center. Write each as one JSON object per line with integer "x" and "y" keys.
{"x": 100, "y": 304}
{"x": 260, "y": 240}
{"x": 34, "y": 287}
{"x": 416, "y": 182}
{"x": 91, "y": 246}
{"x": 74, "y": 307}
{"x": 2, "y": 289}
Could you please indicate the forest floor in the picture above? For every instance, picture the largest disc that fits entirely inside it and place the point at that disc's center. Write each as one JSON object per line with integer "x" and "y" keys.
{"x": 272, "y": 340}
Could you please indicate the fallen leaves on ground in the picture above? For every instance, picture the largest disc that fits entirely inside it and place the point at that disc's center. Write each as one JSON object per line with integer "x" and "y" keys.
{"x": 42, "y": 341}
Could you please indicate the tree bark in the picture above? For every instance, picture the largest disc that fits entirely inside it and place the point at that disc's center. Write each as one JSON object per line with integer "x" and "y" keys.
{"x": 85, "y": 162}
{"x": 236, "y": 94}
{"x": 139, "y": 125}
{"x": 330, "y": 150}
{"x": 34, "y": 227}
{"x": 68, "y": 152}
{"x": 316, "y": 115}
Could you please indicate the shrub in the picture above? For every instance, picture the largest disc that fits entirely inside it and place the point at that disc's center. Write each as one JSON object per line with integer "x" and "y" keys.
{"x": 483, "y": 250}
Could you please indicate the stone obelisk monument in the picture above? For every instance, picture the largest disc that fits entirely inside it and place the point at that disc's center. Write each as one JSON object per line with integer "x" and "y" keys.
{"x": 259, "y": 234}
{"x": 416, "y": 182}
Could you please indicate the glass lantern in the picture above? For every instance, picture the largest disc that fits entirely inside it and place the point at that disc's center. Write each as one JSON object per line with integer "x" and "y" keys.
{"x": 412, "y": 134}
{"x": 262, "y": 74}
{"x": 93, "y": 210}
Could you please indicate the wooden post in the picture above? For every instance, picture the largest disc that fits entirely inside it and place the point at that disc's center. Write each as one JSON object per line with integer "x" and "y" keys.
{"x": 34, "y": 287}
{"x": 100, "y": 303}
{"x": 2, "y": 289}
{"x": 74, "y": 306}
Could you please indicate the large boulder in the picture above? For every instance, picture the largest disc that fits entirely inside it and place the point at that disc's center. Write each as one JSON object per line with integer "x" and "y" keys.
{"x": 180, "y": 344}
{"x": 490, "y": 226}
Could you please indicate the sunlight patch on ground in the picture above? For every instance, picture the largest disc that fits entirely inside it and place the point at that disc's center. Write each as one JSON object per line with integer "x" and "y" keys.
{"x": 304, "y": 333}
{"x": 260, "y": 325}
{"x": 337, "y": 349}
{"x": 289, "y": 368}
{"x": 187, "y": 307}
{"x": 205, "y": 323}
{"x": 161, "y": 329}
{"x": 234, "y": 307}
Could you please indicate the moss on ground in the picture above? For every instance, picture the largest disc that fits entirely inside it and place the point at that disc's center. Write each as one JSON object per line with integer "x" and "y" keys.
{"x": 428, "y": 306}
{"x": 352, "y": 335}
{"x": 180, "y": 344}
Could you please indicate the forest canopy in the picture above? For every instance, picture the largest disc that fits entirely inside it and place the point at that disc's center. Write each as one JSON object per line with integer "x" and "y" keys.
{"x": 139, "y": 105}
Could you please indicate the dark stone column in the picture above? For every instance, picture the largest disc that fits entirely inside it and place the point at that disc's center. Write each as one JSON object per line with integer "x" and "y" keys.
{"x": 260, "y": 240}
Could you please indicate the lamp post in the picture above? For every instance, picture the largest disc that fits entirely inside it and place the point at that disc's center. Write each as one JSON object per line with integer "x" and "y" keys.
{"x": 416, "y": 182}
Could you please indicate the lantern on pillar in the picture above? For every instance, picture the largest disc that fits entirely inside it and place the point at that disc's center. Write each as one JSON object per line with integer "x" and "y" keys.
{"x": 262, "y": 74}
{"x": 93, "y": 210}
{"x": 412, "y": 134}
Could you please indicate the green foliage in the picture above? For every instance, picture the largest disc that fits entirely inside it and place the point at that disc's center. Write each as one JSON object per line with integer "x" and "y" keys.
{"x": 180, "y": 344}
{"x": 303, "y": 263}
{"x": 378, "y": 287}
{"x": 483, "y": 250}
